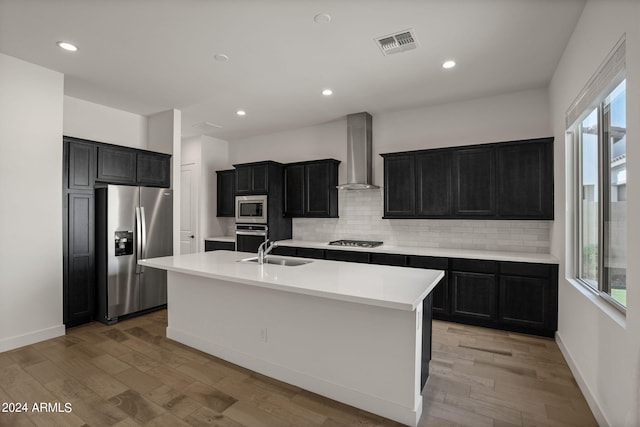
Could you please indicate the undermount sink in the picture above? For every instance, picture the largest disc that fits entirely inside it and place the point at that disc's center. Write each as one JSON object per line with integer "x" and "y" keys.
{"x": 278, "y": 261}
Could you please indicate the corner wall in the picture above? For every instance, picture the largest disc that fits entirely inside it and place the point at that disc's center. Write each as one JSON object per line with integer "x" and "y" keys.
{"x": 31, "y": 105}
{"x": 600, "y": 344}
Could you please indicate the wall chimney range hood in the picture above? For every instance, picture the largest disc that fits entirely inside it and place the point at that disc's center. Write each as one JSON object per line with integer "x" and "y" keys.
{"x": 359, "y": 153}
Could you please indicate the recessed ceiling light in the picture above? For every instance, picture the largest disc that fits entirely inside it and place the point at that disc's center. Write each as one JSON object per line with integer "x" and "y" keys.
{"x": 67, "y": 46}
{"x": 327, "y": 92}
{"x": 448, "y": 64}
{"x": 241, "y": 113}
{"x": 322, "y": 18}
{"x": 220, "y": 57}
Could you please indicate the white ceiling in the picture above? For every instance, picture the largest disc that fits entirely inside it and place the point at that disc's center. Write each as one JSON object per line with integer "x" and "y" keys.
{"x": 147, "y": 56}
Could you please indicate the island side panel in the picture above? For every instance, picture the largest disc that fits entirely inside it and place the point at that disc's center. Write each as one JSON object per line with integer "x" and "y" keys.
{"x": 362, "y": 355}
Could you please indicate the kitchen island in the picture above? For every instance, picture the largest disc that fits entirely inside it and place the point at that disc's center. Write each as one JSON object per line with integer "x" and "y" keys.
{"x": 351, "y": 332}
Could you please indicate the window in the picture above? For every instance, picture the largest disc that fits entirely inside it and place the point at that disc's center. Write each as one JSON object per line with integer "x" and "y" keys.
{"x": 598, "y": 122}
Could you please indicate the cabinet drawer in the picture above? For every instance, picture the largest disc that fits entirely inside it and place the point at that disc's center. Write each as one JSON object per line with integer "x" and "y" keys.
{"x": 389, "y": 259}
{"x": 350, "y": 256}
{"x": 525, "y": 269}
{"x": 474, "y": 265}
{"x": 284, "y": 251}
{"x": 310, "y": 253}
{"x": 214, "y": 245}
{"x": 433, "y": 263}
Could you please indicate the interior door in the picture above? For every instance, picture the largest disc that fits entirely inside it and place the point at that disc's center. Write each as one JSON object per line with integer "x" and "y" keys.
{"x": 188, "y": 209}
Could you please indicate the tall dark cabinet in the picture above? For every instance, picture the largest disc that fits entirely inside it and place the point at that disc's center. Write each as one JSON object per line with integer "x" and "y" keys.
{"x": 79, "y": 232}
{"x": 226, "y": 188}
{"x": 85, "y": 164}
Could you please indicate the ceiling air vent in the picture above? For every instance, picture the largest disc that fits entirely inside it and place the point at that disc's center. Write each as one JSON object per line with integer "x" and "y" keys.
{"x": 398, "y": 42}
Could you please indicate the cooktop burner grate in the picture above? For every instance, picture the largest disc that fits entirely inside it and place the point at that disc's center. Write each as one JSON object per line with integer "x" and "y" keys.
{"x": 356, "y": 243}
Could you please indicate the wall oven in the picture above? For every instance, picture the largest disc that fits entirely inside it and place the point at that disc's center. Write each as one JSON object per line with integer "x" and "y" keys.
{"x": 250, "y": 236}
{"x": 251, "y": 209}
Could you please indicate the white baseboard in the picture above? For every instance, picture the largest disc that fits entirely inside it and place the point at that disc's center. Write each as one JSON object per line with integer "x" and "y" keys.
{"x": 18, "y": 341}
{"x": 584, "y": 388}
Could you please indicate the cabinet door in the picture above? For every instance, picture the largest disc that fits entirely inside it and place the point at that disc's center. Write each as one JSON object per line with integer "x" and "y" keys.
{"x": 321, "y": 194}
{"x": 433, "y": 180}
{"x": 525, "y": 179}
{"x": 260, "y": 179}
{"x": 225, "y": 185}
{"x": 79, "y": 293}
{"x": 294, "y": 190}
{"x": 474, "y": 181}
{"x": 243, "y": 179}
{"x": 81, "y": 174}
{"x": 473, "y": 295}
{"x": 154, "y": 169}
{"x": 399, "y": 186}
{"x": 116, "y": 165}
{"x": 523, "y": 301}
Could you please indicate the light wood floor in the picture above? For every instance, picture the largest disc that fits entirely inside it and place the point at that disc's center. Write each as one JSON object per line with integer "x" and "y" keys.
{"x": 130, "y": 374}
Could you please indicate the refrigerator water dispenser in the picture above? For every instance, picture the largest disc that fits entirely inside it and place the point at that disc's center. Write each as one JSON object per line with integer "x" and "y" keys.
{"x": 124, "y": 243}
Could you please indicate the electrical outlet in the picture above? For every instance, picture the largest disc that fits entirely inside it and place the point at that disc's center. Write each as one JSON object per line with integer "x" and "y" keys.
{"x": 263, "y": 335}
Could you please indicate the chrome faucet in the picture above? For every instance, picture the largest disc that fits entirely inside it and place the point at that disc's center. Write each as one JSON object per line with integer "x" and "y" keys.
{"x": 262, "y": 252}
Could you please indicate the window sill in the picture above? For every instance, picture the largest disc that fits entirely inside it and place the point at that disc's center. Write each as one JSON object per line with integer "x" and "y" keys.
{"x": 604, "y": 306}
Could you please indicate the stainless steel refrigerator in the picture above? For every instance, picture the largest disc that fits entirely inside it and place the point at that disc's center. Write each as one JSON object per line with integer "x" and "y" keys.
{"x": 132, "y": 223}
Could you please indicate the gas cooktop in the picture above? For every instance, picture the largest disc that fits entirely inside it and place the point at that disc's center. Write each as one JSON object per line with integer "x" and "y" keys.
{"x": 356, "y": 243}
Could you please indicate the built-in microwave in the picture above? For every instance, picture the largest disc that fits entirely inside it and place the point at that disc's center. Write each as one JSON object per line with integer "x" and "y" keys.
{"x": 251, "y": 209}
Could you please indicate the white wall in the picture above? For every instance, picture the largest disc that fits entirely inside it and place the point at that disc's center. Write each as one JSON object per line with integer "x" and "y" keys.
{"x": 31, "y": 105}
{"x": 600, "y": 344}
{"x": 84, "y": 119}
{"x": 512, "y": 116}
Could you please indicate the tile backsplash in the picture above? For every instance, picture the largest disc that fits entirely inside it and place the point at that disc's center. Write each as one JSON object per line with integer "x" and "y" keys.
{"x": 361, "y": 219}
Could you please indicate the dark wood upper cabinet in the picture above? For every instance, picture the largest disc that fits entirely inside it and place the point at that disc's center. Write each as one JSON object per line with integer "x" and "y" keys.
{"x": 507, "y": 180}
{"x": 310, "y": 189}
{"x": 294, "y": 190}
{"x": 252, "y": 178}
{"x": 225, "y": 201}
{"x": 399, "y": 186}
{"x": 81, "y": 165}
{"x": 433, "y": 180}
{"x": 153, "y": 169}
{"x": 474, "y": 174}
{"x": 525, "y": 179}
{"x": 116, "y": 165}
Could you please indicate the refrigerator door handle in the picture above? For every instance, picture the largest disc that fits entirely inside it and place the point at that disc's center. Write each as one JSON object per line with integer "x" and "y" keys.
{"x": 138, "y": 240}
{"x": 143, "y": 227}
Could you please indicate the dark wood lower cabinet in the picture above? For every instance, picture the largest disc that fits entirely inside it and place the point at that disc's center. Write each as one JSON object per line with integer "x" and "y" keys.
{"x": 473, "y": 296}
{"x": 514, "y": 296}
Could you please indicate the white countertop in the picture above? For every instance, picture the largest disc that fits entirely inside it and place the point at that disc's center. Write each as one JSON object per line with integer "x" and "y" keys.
{"x": 221, "y": 239}
{"x": 434, "y": 252}
{"x": 384, "y": 286}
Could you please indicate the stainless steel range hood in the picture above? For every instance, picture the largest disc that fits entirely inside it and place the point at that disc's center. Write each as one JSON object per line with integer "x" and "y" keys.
{"x": 359, "y": 153}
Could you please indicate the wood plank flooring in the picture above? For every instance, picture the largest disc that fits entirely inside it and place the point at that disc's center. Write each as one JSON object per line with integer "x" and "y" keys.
{"x": 130, "y": 374}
